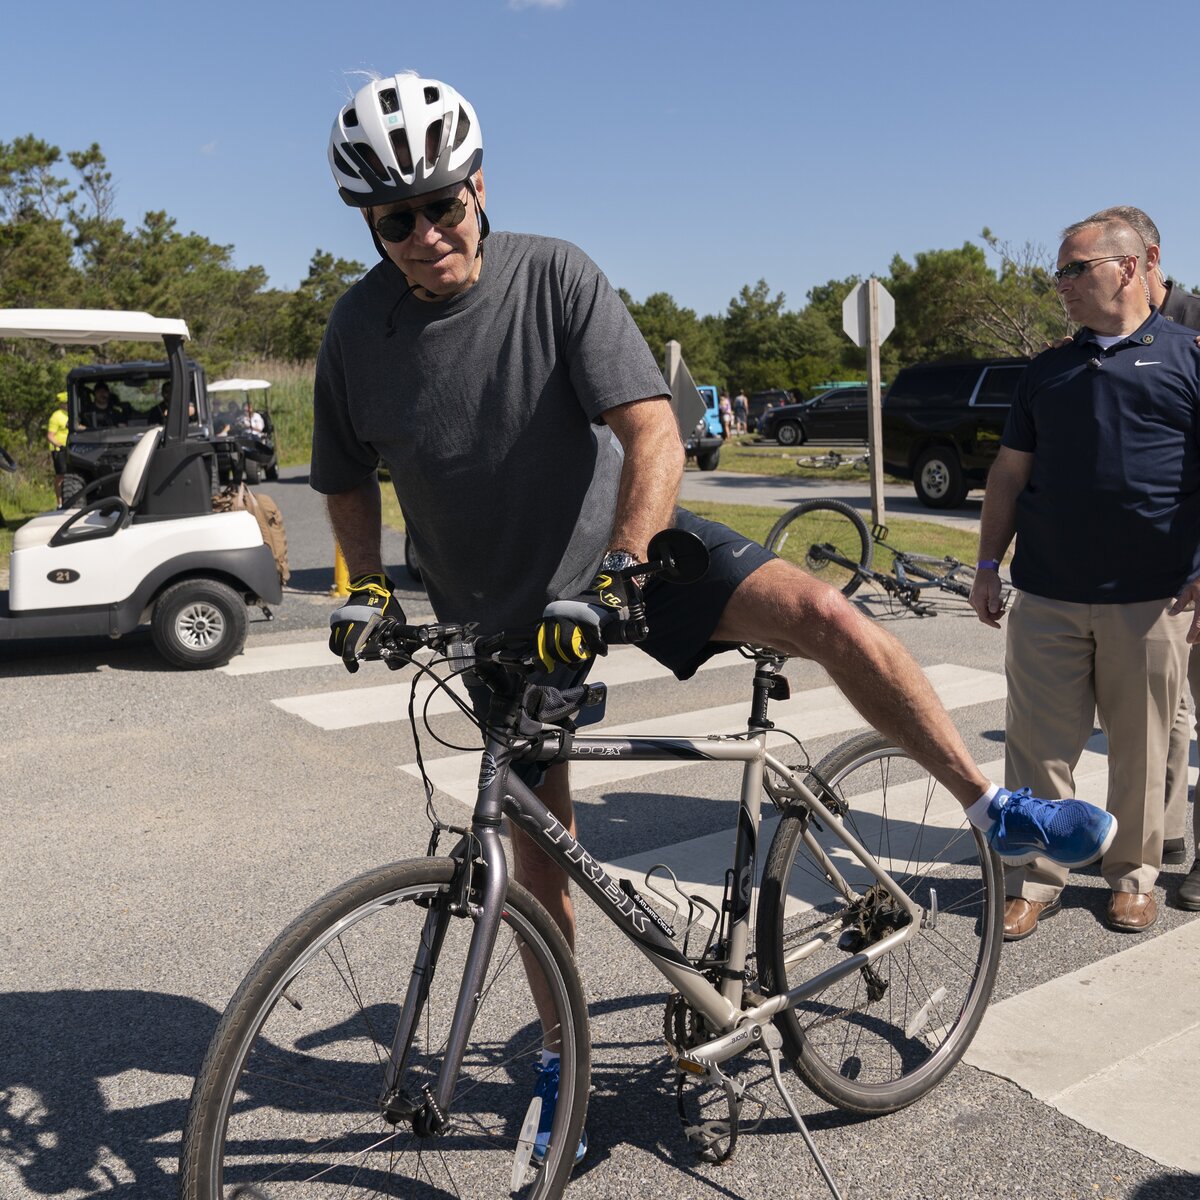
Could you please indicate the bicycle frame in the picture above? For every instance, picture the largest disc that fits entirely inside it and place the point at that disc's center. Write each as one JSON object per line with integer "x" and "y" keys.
{"x": 502, "y": 793}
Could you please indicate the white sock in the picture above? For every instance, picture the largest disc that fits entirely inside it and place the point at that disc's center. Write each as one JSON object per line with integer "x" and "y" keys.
{"x": 549, "y": 1056}
{"x": 977, "y": 814}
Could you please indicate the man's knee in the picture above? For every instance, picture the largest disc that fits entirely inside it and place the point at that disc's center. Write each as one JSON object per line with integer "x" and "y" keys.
{"x": 790, "y": 610}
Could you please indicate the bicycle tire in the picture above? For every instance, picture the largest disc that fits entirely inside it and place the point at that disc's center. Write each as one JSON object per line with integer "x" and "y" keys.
{"x": 282, "y": 1070}
{"x": 865, "y": 1053}
{"x": 817, "y": 522}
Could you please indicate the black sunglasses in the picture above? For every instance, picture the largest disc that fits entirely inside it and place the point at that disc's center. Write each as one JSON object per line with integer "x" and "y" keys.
{"x": 445, "y": 214}
{"x": 1073, "y": 270}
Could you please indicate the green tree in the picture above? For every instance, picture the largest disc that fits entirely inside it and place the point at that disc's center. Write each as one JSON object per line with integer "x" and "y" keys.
{"x": 305, "y": 313}
{"x": 758, "y": 342}
{"x": 660, "y": 320}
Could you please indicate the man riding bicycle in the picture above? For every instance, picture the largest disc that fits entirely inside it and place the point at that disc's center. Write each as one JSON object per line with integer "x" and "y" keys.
{"x": 533, "y": 450}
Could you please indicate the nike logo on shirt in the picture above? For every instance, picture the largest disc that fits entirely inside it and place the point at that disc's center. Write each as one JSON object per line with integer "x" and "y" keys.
{"x": 1150, "y": 363}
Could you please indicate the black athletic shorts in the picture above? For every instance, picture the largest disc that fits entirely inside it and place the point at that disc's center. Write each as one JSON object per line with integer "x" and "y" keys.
{"x": 681, "y": 617}
{"x": 58, "y": 459}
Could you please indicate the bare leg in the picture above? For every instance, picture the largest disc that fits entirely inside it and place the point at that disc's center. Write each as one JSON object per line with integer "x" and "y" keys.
{"x": 549, "y": 884}
{"x": 782, "y": 607}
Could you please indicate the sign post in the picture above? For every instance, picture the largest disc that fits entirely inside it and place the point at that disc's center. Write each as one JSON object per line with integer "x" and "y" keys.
{"x": 868, "y": 316}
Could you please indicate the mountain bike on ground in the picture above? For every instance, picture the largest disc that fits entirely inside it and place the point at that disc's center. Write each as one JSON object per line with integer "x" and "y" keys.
{"x": 829, "y": 539}
{"x": 386, "y": 1042}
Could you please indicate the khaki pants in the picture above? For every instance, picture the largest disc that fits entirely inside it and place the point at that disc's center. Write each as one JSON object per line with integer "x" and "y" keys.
{"x": 1179, "y": 753}
{"x": 1065, "y": 662}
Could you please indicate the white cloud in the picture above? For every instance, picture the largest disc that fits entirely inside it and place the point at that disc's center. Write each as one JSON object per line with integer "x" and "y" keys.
{"x": 209, "y": 148}
{"x": 517, "y": 5}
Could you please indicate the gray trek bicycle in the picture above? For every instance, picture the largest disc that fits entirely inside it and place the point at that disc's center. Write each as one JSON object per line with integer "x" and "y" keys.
{"x": 385, "y": 1043}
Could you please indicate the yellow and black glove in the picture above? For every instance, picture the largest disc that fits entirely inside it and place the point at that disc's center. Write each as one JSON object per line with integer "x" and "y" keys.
{"x": 352, "y": 624}
{"x": 575, "y": 630}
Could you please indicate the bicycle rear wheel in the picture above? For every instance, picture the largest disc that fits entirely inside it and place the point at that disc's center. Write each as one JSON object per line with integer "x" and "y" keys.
{"x": 800, "y": 534}
{"x": 288, "y": 1100}
{"x": 876, "y": 1040}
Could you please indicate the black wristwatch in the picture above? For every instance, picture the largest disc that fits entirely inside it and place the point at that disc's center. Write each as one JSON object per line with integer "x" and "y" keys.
{"x": 617, "y": 560}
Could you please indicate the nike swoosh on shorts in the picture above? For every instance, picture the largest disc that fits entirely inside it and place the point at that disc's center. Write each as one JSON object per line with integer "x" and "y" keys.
{"x": 739, "y": 553}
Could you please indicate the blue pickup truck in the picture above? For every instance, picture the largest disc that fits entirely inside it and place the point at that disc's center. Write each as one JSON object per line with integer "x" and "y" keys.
{"x": 706, "y": 440}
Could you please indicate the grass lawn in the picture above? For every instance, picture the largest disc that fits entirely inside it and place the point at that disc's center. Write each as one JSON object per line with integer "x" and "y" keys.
{"x": 745, "y": 456}
{"x": 915, "y": 537}
{"x": 756, "y": 521}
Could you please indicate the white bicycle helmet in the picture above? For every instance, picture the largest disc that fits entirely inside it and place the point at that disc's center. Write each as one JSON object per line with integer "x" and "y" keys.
{"x": 400, "y": 137}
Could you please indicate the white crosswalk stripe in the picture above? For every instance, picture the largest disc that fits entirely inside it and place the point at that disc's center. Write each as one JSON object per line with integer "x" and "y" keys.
{"x": 389, "y": 702}
{"x": 809, "y": 714}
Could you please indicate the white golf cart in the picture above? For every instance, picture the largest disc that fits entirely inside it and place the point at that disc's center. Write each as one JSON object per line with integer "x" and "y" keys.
{"x": 241, "y": 407}
{"x": 156, "y": 551}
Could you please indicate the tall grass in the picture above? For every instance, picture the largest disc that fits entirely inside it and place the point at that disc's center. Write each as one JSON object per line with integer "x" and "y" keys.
{"x": 291, "y": 400}
{"x": 24, "y": 492}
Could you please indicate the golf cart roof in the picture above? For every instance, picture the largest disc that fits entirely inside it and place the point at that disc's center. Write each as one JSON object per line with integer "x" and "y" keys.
{"x": 238, "y": 385}
{"x": 87, "y": 326}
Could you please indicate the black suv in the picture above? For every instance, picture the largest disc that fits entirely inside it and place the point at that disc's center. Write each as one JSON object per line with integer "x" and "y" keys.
{"x": 109, "y": 406}
{"x": 942, "y": 424}
{"x": 839, "y": 414}
{"x": 756, "y": 405}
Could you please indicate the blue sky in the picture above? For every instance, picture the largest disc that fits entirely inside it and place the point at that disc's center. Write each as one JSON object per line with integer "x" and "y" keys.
{"x": 688, "y": 147}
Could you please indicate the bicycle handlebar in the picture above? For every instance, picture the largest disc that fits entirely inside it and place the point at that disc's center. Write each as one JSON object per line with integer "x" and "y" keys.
{"x": 676, "y": 555}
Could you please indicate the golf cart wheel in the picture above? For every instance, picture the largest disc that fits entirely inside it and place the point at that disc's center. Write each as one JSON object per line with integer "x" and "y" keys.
{"x": 273, "y": 471}
{"x": 199, "y": 623}
{"x": 72, "y": 485}
{"x": 252, "y": 471}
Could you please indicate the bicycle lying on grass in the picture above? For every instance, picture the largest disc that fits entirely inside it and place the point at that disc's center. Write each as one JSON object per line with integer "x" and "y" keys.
{"x": 833, "y": 459}
{"x": 829, "y": 539}
{"x": 385, "y": 1043}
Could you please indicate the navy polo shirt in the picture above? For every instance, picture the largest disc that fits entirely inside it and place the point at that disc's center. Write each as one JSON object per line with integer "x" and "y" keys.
{"x": 1111, "y": 513}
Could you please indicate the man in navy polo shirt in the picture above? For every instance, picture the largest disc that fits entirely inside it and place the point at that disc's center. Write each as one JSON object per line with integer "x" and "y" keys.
{"x": 1098, "y": 478}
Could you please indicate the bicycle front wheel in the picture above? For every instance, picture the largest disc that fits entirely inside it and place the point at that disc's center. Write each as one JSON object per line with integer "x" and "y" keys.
{"x": 806, "y": 534}
{"x": 880, "y": 1037}
{"x": 289, "y": 1100}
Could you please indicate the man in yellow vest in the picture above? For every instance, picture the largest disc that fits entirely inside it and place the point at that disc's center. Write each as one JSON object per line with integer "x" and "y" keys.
{"x": 56, "y": 435}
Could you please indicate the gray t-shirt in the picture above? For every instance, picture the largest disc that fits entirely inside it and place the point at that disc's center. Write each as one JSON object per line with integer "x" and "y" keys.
{"x": 487, "y": 409}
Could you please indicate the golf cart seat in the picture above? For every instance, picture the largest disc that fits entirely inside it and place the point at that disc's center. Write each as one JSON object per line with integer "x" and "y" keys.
{"x": 101, "y": 518}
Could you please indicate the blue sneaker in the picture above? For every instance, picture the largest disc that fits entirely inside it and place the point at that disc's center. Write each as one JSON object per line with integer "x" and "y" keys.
{"x": 1072, "y": 833}
{"x": 547, "y": 1088}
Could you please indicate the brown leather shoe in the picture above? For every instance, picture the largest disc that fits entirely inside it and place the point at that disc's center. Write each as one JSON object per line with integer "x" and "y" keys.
{"x": 1021, "y": 916}
{"x": 1131, "y": 912}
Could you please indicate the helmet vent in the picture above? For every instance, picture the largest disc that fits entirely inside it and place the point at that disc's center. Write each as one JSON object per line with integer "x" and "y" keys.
{"x": 464, "y": 127}
{"x": 350, "y": 117}
{"x": 400, "y": 148}
{"x": 432, "y": 95}
{"x": 433, "y": 141}
{"x": 341, "y": 164}
{"x": 389, "y": 102}
{"x": 367, "y": 154}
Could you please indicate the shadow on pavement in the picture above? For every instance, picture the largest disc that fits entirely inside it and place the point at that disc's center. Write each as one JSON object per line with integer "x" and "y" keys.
{"x": 59, "y": 1130}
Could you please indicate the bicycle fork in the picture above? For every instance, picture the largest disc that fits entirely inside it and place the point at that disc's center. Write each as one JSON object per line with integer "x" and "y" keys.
{"x": 428, "y": 1112}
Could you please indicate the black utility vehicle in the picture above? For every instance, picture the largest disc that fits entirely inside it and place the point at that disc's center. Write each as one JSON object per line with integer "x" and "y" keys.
{"x": 839, "y": 414}
{"x": 110, "y": 406}
{"x": 942, "y": 424}
{"x": 756, "y": 405}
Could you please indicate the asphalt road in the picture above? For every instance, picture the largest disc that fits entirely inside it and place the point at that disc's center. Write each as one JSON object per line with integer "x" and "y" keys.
{"x": 161, "y": 827}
